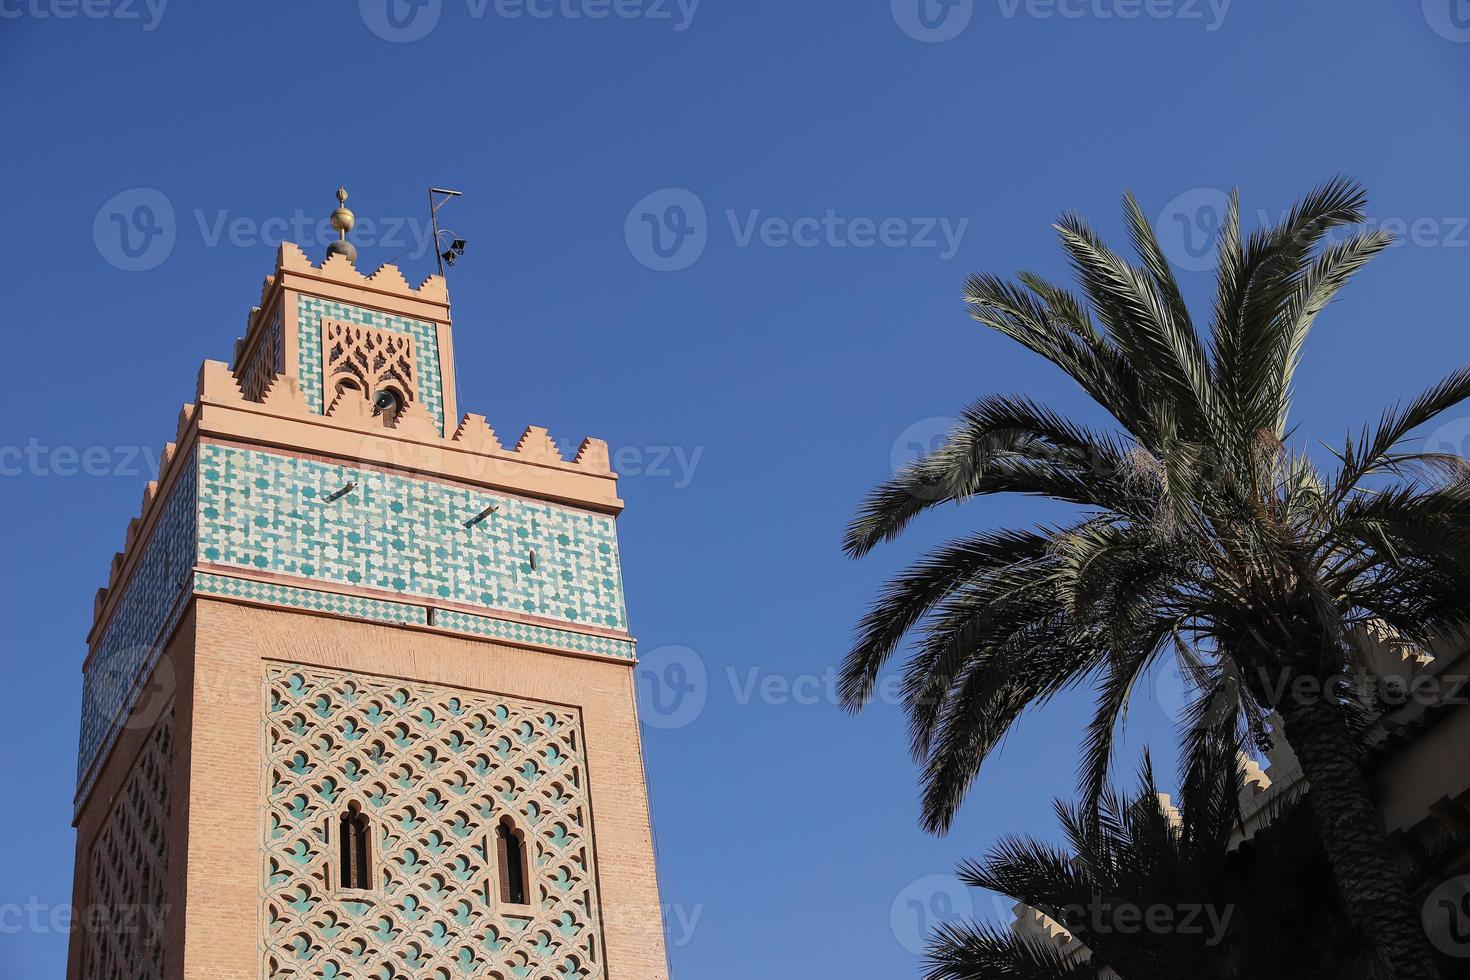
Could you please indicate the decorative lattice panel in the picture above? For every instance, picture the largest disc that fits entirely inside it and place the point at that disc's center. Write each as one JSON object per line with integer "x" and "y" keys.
{"x": 125, "y": 880}
{"x": 434, "y": 769}
{"x": 267, "y": 361}
{"x": 311, "y": 311}
{"x": 369, "y": 356}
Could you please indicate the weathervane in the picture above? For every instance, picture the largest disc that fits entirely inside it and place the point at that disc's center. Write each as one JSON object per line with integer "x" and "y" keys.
{"x": 445, "y": 255}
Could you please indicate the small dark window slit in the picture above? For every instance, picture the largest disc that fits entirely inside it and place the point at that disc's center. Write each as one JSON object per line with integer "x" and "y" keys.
{"x": 511, "y": 848}
{"x": 353, "y": 843}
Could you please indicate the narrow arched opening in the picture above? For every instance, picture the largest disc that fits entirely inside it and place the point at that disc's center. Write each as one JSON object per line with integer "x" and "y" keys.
{"x": 354, "y": 849}
{"x": 510, "y": 848}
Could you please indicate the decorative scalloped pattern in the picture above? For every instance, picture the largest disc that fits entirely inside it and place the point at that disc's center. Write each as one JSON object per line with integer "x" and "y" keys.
{"x": 129, "y": 862}
{"x": 434, "y": 769}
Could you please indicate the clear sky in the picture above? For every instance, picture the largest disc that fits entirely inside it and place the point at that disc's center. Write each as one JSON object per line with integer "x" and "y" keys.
{"x": 730, "y": 238}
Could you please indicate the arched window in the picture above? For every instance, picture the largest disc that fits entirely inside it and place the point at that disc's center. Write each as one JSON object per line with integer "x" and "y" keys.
{"x": 352, "y": 837}
{"x": 510, "y": 847}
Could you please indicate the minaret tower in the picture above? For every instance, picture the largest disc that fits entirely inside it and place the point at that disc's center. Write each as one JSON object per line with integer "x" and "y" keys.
{"x": 359, "y": 693}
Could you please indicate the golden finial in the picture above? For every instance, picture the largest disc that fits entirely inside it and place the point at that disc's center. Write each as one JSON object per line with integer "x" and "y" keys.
{"x": 342, "y": 220}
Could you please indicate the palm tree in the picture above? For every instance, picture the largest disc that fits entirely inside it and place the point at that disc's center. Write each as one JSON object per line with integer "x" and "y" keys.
{"x": 1203, "y": 534}
{"x": 1267, "y": 910}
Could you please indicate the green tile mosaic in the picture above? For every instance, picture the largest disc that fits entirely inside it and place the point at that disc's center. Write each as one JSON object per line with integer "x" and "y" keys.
{"x": 145, "y": 615}
{"x": 357, "y": 607}
{"x": 310, "y": 312}
{"x": 275, "y": 513}
{"x": 544, "y": 636}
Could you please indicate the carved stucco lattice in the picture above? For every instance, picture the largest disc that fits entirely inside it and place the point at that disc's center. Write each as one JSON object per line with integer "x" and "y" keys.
{"x": 125, "y": 880}
{"x": 435, "y": 769}
{"x": 369, "y": 356}
{"x": 268, "y": 360}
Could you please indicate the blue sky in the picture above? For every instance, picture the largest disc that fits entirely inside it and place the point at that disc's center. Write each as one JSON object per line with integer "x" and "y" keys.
{"x": 730, "y": 238}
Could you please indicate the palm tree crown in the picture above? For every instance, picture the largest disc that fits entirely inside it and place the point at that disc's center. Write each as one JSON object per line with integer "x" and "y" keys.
{"x": 1266, "y": 910}
{"x": 1204, "y": 534}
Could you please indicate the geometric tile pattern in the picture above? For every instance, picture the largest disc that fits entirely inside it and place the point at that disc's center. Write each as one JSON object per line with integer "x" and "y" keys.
{"x": 434, "y": 769}
{"x": 310, "y": 312}
{"x": 385, "y": 611}
{"x": 267, "y": 361}
{"x": 147, "y": 611}
{"x": 501, "y": 629}
{"x": 125, "y": 880}
{"x": 357, "y": 607}
{"x": 278, "y": 513}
